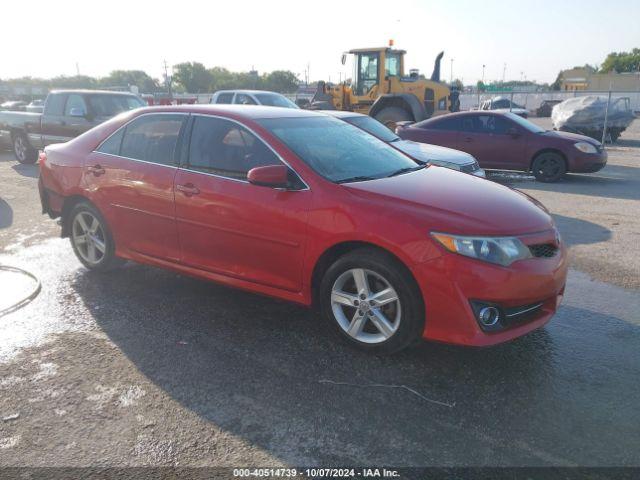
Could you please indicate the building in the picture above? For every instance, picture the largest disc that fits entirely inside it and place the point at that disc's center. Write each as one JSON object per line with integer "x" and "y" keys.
{"x": 622, "y": 82}
{"x": 575, "y": 79}
{"x": 584, "y": 78}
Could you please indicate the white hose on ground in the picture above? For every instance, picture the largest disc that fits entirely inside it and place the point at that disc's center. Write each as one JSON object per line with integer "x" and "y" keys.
{"x": 21, "y": 303}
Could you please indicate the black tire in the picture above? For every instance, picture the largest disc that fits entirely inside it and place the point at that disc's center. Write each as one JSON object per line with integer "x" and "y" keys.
{"x": 23, "y": 150}
{"x": 380, "y": 267}
{"x": 390, "y": 116}
{"x": 108, "y": 260}
{"x": 548, "y": 167}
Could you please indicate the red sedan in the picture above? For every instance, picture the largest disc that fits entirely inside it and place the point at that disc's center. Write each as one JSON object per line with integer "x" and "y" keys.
{"x": 506, "y": 141}
{"x": 304, "y": 207}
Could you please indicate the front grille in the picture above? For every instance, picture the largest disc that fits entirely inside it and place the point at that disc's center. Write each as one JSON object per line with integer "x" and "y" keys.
{"x": 543, "y": 250}
{"x": 470, "y": 168}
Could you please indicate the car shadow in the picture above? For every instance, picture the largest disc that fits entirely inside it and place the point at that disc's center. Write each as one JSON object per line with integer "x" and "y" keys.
{"x": 274, "y": 374}
{"x": 6, "y": 214}
{"x": 31, "y": 171}
{"x": 575, "y": 231}
{"x": 614, "y": 181}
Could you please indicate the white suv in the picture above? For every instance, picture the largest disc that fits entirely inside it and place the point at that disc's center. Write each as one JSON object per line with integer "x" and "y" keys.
{"x": 252, "y": 97}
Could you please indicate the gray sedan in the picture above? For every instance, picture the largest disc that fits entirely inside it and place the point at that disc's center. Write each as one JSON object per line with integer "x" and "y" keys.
{"x": 421, "y": 152}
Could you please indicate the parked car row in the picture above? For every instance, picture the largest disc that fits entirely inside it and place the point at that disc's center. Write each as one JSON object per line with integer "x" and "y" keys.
{"x": 310, "y": 208}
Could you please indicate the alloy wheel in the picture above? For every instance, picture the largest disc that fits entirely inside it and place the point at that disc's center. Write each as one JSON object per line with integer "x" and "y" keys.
{"x": 89, "y": 238}
{"x": 366, "y": 306}
{"x": 20, "y": 148}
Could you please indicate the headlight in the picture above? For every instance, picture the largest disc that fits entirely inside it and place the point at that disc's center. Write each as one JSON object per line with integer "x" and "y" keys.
{"x": 585, "y": 147}
{"x": 500, "y": 250}
{"x": 440, "y": 163}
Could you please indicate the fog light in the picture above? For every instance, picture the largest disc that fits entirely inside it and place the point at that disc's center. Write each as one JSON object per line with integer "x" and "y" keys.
{"x": 489, "y": 316}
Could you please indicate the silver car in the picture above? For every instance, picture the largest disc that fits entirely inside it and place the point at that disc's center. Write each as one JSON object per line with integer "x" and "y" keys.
{"x": 252, "y": 97}
{"x": 422, "y": 152}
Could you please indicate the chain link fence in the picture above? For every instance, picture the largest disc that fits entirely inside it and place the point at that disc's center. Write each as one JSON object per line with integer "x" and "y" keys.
{"x": 532, "y": 100}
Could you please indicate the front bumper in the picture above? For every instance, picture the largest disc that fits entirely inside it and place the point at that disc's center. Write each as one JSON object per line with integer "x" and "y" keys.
{"x": 588, "y": 162}
{"x": 451, "y": 282}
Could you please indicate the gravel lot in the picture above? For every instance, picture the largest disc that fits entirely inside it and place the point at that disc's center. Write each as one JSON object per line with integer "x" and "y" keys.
{"x": 145, "y": 367}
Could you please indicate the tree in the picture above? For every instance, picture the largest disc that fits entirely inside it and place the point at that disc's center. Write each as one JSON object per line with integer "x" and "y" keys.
{"x": 127, "y": 78}
{"x": 282, "y": 81}
{"x": 481, "y": 86}
{"x": 76, "y": 81}
{"x": 457, "y": 84}
{"x": 622, "y": 62}
{"x": 193, "y": 77}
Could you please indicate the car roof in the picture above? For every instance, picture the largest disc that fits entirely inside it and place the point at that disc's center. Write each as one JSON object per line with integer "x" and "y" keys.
{"x": 342, "y": 113}
{"x": 249, "y": 112}
{"x": 88, "y": 91}
{"x": 251, "y": 92}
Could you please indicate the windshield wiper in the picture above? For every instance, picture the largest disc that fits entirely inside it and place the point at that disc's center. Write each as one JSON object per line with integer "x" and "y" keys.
{"x": 406, "y": 170}
{"x": 358, "y": 178}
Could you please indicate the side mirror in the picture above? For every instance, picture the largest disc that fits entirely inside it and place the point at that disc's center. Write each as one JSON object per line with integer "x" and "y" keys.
{"x": 274, "y": 176}
{"x": 343, "y": 60}
{"x": 513, "y": 132}
{"x": 77, "y": 112}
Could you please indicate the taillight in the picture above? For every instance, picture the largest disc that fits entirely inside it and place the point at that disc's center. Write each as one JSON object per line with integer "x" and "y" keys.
{"x": 42, "y": 158}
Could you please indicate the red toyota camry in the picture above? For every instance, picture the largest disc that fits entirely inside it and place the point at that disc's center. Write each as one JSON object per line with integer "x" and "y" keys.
{"x": 305, "y": 207}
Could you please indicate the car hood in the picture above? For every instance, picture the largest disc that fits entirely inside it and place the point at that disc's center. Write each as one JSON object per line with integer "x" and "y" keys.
{"x": 454, "y": 202}
{"x": 425, "y": 152}
{"x": 574, "y": 137}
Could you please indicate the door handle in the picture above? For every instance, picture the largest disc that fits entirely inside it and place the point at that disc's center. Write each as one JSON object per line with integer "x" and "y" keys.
{"x": 188, "y": 189}
{"x": 97, "y": 170}
{"x": 468, "y": 139}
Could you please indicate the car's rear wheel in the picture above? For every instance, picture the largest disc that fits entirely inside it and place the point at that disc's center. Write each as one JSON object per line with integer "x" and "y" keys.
{"x": 549, "y": 167}
{"x": 372, "y": 301}
{"x": 23, "y": 150}
{"x": 91, "y": 238}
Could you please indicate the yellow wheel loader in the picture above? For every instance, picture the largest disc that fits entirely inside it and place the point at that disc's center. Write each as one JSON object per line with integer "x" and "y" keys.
{"x": 380, "y": 89}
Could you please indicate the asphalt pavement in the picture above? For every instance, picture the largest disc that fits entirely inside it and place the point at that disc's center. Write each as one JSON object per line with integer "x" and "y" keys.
{"x": 142, "y": 366}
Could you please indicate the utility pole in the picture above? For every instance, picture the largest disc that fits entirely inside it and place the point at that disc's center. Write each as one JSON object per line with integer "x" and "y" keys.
{"x": 504, "y": 71}
{"x": 77, "y": 69}
{"x": 167, "y": 79}
{"x": 483, "y": 65}
{"x": 451, "y": 73}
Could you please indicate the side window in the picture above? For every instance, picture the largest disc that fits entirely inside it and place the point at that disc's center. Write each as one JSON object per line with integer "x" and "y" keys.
{"x": 224, "y": 98}
{"x": 76, "y": 106}
{"x": 152, "y": 138}
{"x": 493, "y": 124}
{"x": 226, "y": 149}
{"x": 55, "y": 104}
{"x": 452, "y": 124}
{"x": 112, "y": 144}
{"x": 244, "y": 99}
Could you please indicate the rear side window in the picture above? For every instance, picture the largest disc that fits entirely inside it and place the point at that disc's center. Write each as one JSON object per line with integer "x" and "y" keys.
{"x": 244, "y": 99}
{"x": 76, "y": 106}
{"x": 487, "y": 124}
{"x": 55, "y": 103}
{"x": 452, "y": 124}
{"x": 152, "y": 138}
{"x": 226, "y": 149}
{"x": 112, "y": 144}
{"x": 224, "y": 98}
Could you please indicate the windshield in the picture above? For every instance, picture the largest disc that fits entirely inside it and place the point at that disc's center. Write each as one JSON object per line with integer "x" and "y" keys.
{"x": 336, "y": 150}
{"x": 274, "y": 100}
{"x": 111, "y": 105}
{"x": 532, "y": 127}
{"x": 374, "y": 127}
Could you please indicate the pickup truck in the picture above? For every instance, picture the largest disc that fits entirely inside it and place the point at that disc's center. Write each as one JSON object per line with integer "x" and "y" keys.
{"x": 66, "y": 114}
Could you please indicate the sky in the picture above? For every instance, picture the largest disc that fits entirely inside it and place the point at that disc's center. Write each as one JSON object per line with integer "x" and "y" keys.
{"x": 535, "y": 39}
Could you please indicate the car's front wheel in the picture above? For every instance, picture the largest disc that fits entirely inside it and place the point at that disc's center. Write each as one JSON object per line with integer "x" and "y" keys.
{"x": 23, "y": 150}
{"x": 373, "y": 301}
{"x": 549, "y": 167}
{"x": 91, "y": 238}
